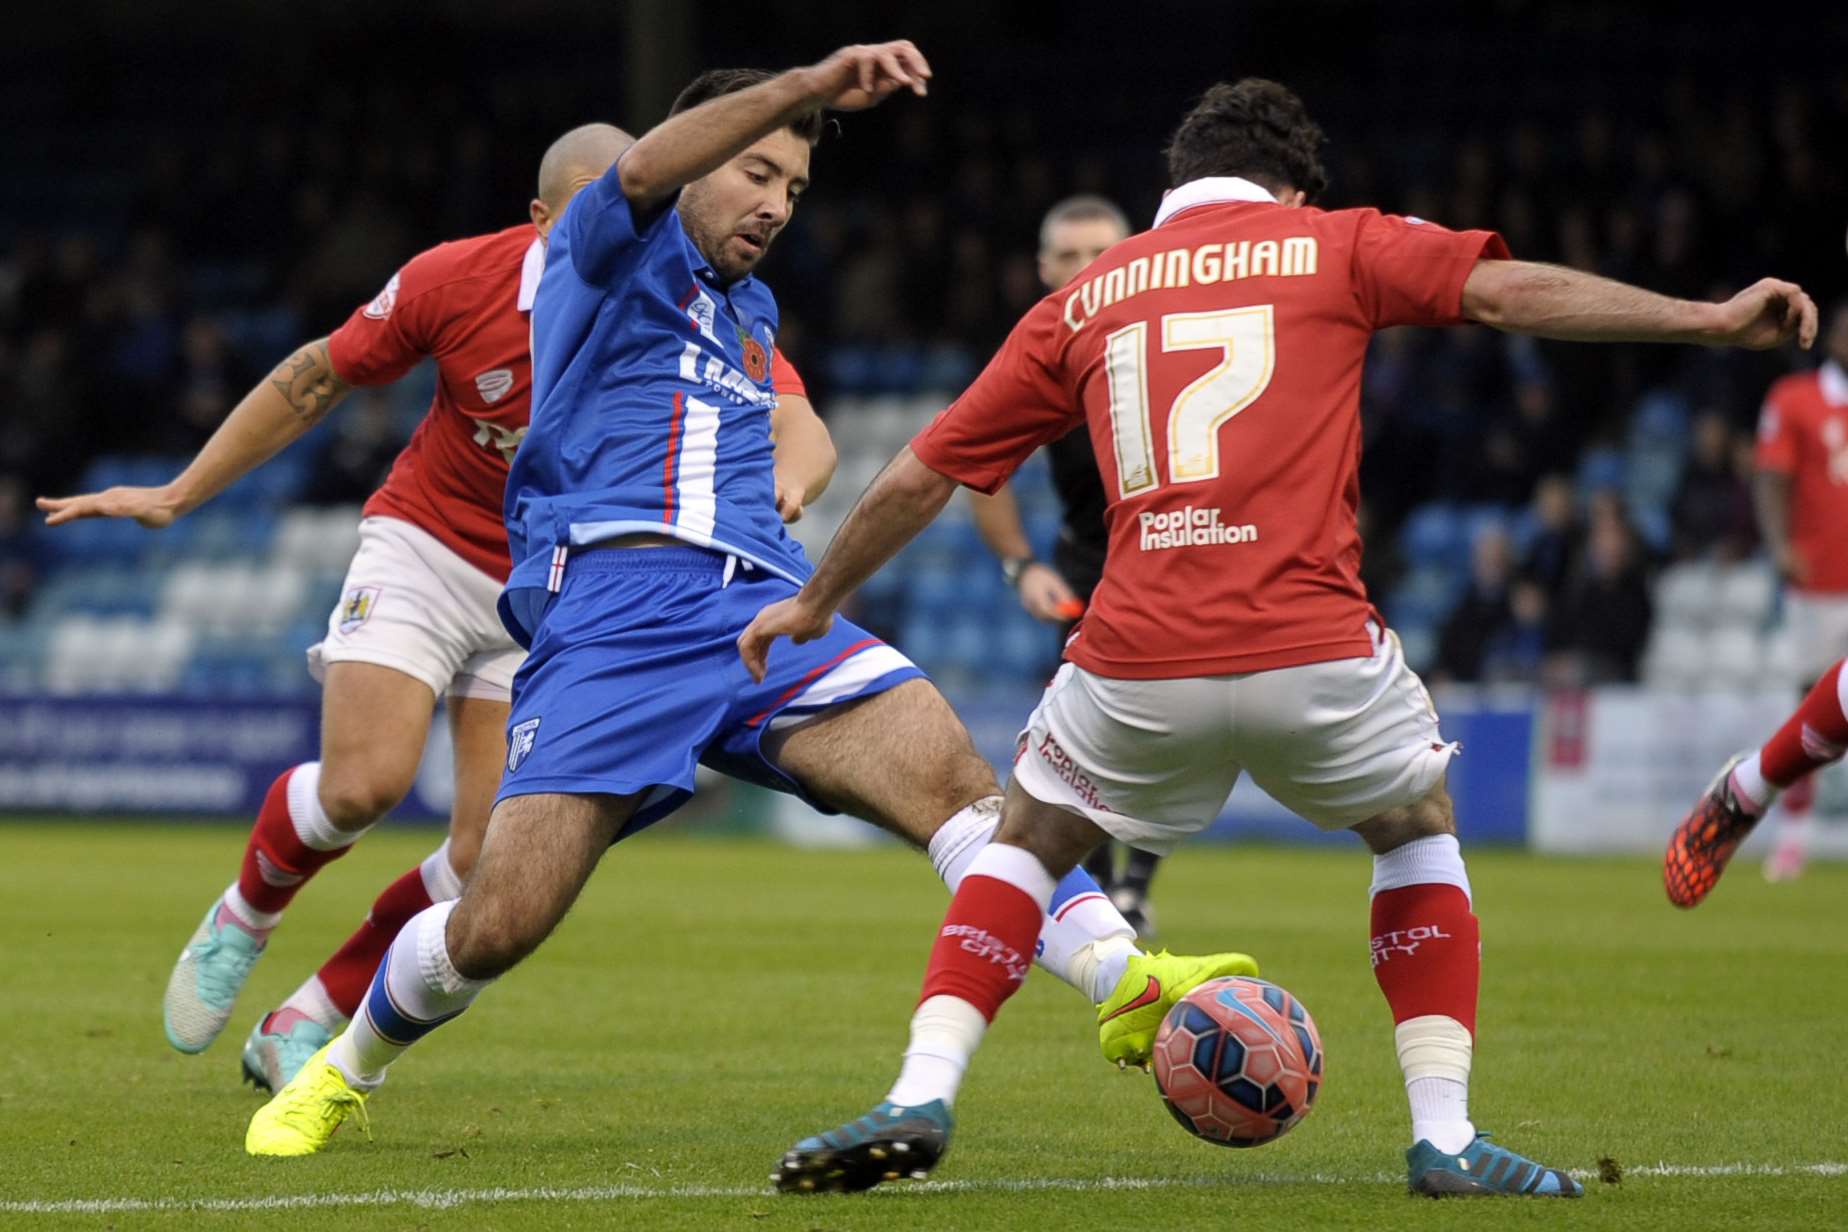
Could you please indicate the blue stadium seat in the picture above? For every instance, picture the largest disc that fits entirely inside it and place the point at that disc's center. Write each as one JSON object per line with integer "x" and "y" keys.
{"x": 1601, "y": 469}
{"x": 1433, "y": 535}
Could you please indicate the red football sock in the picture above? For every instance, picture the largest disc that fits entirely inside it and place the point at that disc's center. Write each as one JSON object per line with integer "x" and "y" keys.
{"x": 1427, "y": 952}
{"x": 1814, "y": 736}
{"x": 277, "y": 861}
{"x": 348, "y": 974}
{"x": 985, "y": 947}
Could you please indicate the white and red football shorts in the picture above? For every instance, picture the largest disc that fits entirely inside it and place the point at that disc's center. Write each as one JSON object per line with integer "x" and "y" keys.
{"x": 1152, "y": 761}
{"x": 411, "y": 603}
{"x": 1818, "y": 624}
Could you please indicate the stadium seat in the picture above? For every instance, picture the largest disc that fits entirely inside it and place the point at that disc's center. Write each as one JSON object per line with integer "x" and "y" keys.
{"x": 1746, "y": 595}
{"x": 1687, "y": 595}
{"x": 1434, "y": 535}
{"x": 1733, "y": 659}
{"x": 1600, "y": 470}
{"x": 1674, "y": 658}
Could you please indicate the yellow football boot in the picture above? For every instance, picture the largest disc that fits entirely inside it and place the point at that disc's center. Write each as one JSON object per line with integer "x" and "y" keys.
{"x": 1152, "y": 983}
{"x": 306, "y": 1112}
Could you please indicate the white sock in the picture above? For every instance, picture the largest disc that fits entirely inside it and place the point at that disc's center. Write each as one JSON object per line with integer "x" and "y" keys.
{"x": 1436, "y": 859}
{"x": 311, "y": 1000}
{"x": 1086, "y": 943}
{"x": 310, "y": 820}
{"x": 1097, "y": 967}
{"x": 1750, "y": 788}
{"x": 259, "y": 921}
{"x": 945, "y": 1032}
{"x": 945, "y": 1029}
{"x": 1435, "y": 1052}
{"x": 423, "y": 990}
{"x": 440, "y": 879}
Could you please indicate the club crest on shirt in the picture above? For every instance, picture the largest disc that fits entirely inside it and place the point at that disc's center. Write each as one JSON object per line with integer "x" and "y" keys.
{"x": 357, "y": 607}
{"x": 493, "y": 386}
{"x": 520, "y": 743}
{"x": 381, "y": 307}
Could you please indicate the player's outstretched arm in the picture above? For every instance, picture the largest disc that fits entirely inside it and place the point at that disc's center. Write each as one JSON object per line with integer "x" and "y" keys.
{"x": 1551, "y": 301}
{"x": 684, "y": 147}
{"x": 291, "y": 400}
{"x": 902, "y": 501}
{"x": 805, "y": 455}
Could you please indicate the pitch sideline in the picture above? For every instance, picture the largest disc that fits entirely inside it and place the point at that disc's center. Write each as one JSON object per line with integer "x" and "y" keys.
{"x": 449, "y": 1199}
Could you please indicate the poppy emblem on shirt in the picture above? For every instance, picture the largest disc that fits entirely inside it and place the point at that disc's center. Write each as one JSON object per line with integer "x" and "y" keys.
{"x": 494, "y": 385}
{"x": 756, "y": 360}
{"x": 381, "y": 307}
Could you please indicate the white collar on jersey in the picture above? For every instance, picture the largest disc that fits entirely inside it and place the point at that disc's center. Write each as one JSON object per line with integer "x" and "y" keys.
{"x": 1210, "y": 190}
{"x": 530, "y": 269}
{"x": 1834, "y": 383}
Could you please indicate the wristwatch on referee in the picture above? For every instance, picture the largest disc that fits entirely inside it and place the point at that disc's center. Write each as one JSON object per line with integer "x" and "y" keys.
{"x": 1013, "y": 566}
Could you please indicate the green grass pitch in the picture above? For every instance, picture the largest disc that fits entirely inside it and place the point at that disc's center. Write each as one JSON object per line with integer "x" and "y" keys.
{"x": 711, "y": 1000}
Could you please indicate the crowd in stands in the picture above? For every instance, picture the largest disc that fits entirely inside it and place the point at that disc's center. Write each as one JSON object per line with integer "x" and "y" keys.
{"x": 1520, "y": 495}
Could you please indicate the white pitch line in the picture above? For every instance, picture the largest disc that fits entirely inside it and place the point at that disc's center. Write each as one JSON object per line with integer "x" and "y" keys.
{"x": 446, "y": 1199}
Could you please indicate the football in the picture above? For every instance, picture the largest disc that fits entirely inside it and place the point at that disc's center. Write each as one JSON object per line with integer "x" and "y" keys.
{"x": 1238, "y": 1062}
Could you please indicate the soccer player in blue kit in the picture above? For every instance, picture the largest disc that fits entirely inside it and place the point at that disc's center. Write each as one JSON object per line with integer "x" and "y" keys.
{"x": 642, "y": 513}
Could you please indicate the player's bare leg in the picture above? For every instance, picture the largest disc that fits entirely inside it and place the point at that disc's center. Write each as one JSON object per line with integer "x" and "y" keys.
{"x": 902, "y": 760}
{"x": 537, "y": 855}
{"x": 1427, "y": 958}
{"x": 1814, "y": 736}
{"x": 373, "y": 726}
{"x": 283, "y": 1040}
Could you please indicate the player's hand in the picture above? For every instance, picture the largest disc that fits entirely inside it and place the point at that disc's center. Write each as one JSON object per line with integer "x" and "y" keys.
{"x": 788, "y": 501}
{"x": 152, "y": 507}
{"x": 790, "y": 618}
{"x": 855, "y": 78}
{"x": 1046, "y": 596}
{"x": 1767, "y": 314}
{"x": 1791, "y": 565}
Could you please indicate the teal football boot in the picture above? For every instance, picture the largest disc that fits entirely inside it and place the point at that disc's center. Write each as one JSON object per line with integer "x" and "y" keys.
{"x": 887, "y": 1144}
{"x": 1483, "y": 1169}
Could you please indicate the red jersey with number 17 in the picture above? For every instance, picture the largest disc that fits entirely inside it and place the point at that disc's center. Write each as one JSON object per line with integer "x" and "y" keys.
{"x": 1216, "y": 360}
{"x": 467, "y": 304}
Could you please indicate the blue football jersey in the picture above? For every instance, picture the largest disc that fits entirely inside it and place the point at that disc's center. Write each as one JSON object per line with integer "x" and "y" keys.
{"x": 651, "y": 398}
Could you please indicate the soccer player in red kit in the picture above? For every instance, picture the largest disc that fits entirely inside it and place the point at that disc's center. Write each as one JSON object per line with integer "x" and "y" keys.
{"x": 417, "y": 620}
{"x": 1216, "y": 360}
{"x": 1801, "y": 492}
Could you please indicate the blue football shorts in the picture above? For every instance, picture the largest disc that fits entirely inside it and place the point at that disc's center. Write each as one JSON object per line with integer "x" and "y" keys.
{"x": 633, "y": 678}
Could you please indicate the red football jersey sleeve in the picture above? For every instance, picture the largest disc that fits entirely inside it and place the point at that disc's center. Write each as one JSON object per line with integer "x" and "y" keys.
{"x": 386, "y": 338}
{"x": 1018, "y": 403}
{"x": 1777, "y": 439}
{"x": 1411, "y": 272}
{"x": 783, "y": 375}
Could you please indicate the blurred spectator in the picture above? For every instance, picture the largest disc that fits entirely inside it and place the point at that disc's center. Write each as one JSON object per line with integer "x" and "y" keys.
{"x": 18, "y": 563}
{"x": 366, "y": 437}
{"x": 1601, "y": 622}
{"x": 1484, "y": 613}
{"x": 1553, "y": 546}
{"x": 1517, "y": 652}
{"x": 1712, "y": 511}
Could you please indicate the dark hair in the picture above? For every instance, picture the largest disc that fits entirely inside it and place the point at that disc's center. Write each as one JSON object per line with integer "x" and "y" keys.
{"x": 1256, "y": 129}
{"x": 718, "y": 82}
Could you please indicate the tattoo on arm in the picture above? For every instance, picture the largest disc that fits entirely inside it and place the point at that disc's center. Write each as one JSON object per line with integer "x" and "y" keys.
{"x": 307, "y": 382}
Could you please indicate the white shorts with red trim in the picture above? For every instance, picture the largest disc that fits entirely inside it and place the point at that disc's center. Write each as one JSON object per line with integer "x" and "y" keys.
{"x": 1152, "y": 761}
{"x": 1818, "y": 626}
{"x": 413, "y": 604}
